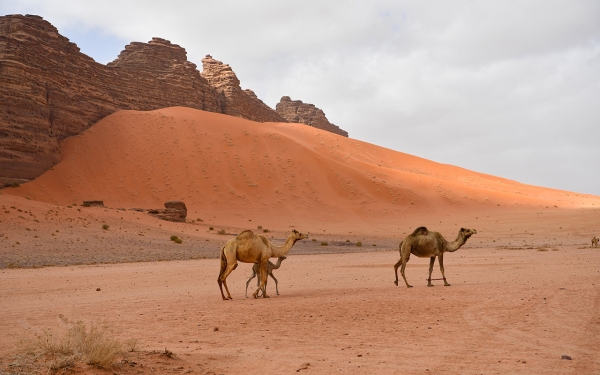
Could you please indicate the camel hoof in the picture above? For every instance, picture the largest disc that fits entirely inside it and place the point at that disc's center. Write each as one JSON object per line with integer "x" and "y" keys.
{"x": 396, "y": 282}
{"x": 447, "y": 285}
{"x": 429, "y": 284}
{"x": 265, "y": 296}
{"x": 409, "y": 286}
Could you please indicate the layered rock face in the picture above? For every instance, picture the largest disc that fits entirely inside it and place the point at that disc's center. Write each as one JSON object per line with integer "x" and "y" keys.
{"x": 238, "y": 102}
{"x": 49, "y": 90}
{"x": 304, "y": 113}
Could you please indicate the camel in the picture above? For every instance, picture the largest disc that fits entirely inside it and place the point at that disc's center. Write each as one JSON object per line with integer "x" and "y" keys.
{"x": 424, "y": 243}
{"x": 248, "y": 247}
{"x": 595, "y": 241}
{"x": 270, "y": 268}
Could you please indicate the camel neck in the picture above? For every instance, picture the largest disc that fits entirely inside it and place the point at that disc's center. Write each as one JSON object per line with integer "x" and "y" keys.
{"x": 457, "y": 243}
{"x": 279, "y": 251}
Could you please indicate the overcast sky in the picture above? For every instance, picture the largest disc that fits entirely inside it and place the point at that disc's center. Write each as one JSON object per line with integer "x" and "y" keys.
{"x": 508, "y": 88}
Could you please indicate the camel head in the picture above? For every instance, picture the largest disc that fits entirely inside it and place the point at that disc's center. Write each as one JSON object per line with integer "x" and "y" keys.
{"x": 297, "y": 236}
{"x": 467, "y": 232}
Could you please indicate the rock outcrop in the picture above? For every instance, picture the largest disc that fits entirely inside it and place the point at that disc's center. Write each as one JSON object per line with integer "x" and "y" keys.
{"x": 174, "y": 211}
{"x": 304, "y": 113}
{"x": 49, "y": 90}
{"x": 238, "y": 102}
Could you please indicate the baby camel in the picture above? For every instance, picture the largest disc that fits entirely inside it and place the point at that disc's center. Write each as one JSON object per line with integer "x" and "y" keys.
{"x": 270, "y": 268}
{"x": 595, "y": 241}
{"x": 248, "y": 247}
{"x": 424, "y": 243}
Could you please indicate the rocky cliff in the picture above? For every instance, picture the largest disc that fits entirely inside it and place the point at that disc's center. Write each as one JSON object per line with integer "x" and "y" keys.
{"x": 304, "y": 113}
{"x": 238, "y": 102}
{"x": 49, "y": 90}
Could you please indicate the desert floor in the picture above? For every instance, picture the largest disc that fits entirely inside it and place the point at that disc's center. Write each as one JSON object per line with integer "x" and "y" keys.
{"x": 507, "y": 311}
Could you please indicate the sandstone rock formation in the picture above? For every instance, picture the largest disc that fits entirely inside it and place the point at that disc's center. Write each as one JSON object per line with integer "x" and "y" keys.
{"x": 304, "y": 113}
{"x": 174, "y": 211}
{"x": 49, "y": 90}
{"x": 238, "y": 102}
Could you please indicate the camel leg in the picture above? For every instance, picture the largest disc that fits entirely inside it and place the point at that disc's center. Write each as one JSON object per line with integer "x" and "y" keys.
{"x": 431, "y": 263}
{"x": 248, "y": 282}
{"x": 262, "y": 268}
{"x": 398, "y": 264}
{"x": 404, "y": 260}
{"x": 222, "y": 280}
{"x": 276, "y": 288}
{"x": 228, "y": 264}
{"x": 442, "y": 269}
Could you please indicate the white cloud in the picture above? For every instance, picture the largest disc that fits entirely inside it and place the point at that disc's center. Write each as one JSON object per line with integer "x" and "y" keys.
{"x": 508, "y": 88}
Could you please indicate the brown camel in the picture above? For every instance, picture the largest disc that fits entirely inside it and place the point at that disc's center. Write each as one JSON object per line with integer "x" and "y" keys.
{"x": 424, "y": 243}
{"x": 248, "y": 247}
{"x": 270, "y": 268}
{"x": 595, "y": 241}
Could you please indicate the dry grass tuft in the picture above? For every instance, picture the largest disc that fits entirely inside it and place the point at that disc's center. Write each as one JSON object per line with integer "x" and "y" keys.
{"x": 78, "y": 343}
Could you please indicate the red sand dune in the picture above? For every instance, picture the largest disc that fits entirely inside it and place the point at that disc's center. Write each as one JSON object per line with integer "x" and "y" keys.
{"x": 234, "y": 170}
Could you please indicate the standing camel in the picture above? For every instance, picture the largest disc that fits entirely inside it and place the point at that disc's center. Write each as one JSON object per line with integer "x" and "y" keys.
{"x": 248, "y": 247}
{"x": 424, "y": 243}
{"x": 270, "y": 268}
{"x": 594, "y": 241}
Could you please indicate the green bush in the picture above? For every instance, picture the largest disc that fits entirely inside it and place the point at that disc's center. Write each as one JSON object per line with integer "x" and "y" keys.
{"x": 222, "y": 231}
{"x": 359, "y": 244}
{"x": 324, "y": 244}
{"x": 105, "y": 227}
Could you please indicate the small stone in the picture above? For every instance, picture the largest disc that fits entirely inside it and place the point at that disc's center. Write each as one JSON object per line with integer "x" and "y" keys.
{"x": 566, "y": 357}
{"x": 216, "y": 329}
{"x": 97, "y": 289}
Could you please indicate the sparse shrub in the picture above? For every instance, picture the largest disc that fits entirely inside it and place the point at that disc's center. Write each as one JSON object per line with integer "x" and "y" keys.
{"x": 132, "y": 345}
{"x": 178, "y": 240}
{"x": 266, "y": 230}
{"x": 104, "y": 226}
{"x": 359, "y": 244}
{"x": 347, "y": 240}
{"x": 374, "y": 245}
{"x": 92, "y": 345}
{"x": 14, "y": 184}
{"x": 86, "y": 204}
{"x": 173, "y": 238}
{"x": 324, "y": 243}
{"x": 222, "y": 231}
{"x": 259, "y": 227}
{"x": 200, "y": 220}
{"x": 210, "y": 228}
{"x": 314, "y": 239}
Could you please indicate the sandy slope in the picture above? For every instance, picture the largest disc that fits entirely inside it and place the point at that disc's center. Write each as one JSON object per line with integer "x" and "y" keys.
{"x": 234, "y": 170}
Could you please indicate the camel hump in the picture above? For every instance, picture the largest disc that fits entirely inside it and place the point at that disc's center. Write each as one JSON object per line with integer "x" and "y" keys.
{"x": 245, "y": 234}
{"x": 420, "y": 231}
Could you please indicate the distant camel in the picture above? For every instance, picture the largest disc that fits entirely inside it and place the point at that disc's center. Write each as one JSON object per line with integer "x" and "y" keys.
{"x": 424, "y": 243}
{"x": 270, "y": 268}
{"x": 248, "y": 247}
{"x": 595, "y": 241}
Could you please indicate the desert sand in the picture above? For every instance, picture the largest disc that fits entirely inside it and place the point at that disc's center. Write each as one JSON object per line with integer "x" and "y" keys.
{"x": 524, "y": 289}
